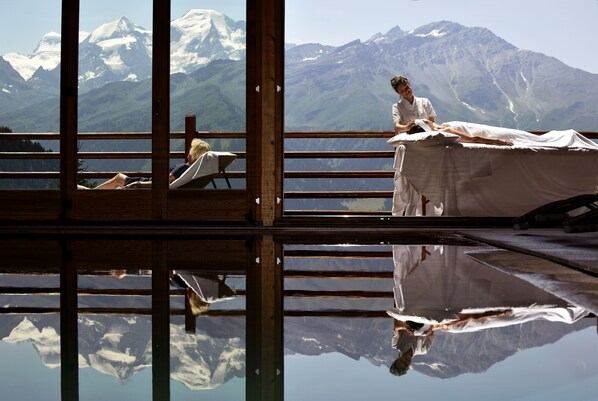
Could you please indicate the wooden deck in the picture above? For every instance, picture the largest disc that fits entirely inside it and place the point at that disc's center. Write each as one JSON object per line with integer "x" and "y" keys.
{"x": 563, "y": 264}
{"x": 576, "y": 250}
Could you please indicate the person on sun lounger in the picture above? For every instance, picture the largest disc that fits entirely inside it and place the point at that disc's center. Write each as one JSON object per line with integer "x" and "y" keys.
{"x": 122, "y": 181}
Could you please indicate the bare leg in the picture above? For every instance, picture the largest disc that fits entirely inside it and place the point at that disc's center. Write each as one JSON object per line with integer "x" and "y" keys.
{"x": 116, "y": 182}
{"x": 477, "y": 139}
{"x": 463, "y": 137}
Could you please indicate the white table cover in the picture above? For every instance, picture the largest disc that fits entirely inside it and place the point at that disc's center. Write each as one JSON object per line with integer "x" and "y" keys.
{"x": 487, "y": 180}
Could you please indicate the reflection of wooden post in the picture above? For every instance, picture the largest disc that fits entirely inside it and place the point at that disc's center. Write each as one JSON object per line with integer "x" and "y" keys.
{"x": 190, "y": 321}
{"x": 69, "y": 335}
{"x": 265, "y": 323}
{"x": 190, "y": 124}
{"x": 160, "y": 322}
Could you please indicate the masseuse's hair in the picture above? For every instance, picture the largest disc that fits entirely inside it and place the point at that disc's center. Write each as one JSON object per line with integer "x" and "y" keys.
{"x": 398, "y": 80}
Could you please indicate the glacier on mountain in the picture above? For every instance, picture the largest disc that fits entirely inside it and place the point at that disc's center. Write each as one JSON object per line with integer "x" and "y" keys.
{"x": 121, "y": 50}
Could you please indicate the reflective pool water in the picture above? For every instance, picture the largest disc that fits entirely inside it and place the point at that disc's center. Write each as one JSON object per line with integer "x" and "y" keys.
{"x": 258, "y": 320}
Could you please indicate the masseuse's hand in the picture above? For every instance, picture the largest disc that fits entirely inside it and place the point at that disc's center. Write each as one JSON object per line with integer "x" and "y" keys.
{"x": 410, "y": 125}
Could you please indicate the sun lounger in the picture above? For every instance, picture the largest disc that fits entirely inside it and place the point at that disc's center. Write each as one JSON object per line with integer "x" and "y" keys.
{"x": 209, "y": 166}
{"x": 558, "y": 213}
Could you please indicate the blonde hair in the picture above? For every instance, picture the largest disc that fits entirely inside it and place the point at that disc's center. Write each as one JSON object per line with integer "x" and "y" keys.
{"x": 198, "y": 148}
{"x": 198, "y": 306}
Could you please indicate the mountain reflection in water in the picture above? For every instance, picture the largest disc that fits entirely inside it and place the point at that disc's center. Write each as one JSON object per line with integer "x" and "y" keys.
{"x": 372, "y": 312}
{"x": 448, "y": 316}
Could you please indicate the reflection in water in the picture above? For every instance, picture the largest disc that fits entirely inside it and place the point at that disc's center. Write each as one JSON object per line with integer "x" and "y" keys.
{"x": 114, "y": 346}
{"x": 210, "y": 358}
{"x": 203, "y": 289}
{"x": 442, "y": 290}
{"x": 360, "y": 310}
{"x": 447, "y": 316}
{"x": 216, "y": 354}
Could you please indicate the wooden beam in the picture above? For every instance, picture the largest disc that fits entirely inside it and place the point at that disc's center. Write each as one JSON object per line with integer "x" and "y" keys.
{"x": 69, "y": 72}
{"x": 160, "y": 108}
{"x": 190, "y": 126}
{"x": 265, "y": 63}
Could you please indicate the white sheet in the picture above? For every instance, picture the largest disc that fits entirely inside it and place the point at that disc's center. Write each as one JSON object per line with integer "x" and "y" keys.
{"x": 488, "y": 180}
{"x": 523, "y": 139}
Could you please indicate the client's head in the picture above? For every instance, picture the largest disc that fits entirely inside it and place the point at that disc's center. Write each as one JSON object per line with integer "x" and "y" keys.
{"x": 198, "y": 148}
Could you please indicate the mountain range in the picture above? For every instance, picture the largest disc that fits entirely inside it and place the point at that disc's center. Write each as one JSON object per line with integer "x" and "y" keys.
{"x": 468, "y": 73}
{"x": 120, "y": 346}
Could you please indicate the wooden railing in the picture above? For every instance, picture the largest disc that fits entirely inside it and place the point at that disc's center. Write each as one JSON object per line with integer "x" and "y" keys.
{"x": 296, "y": 188}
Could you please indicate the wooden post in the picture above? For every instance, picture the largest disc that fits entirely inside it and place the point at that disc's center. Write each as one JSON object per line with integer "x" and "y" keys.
{"x": 69, "y": 67}
{"x": 160, "y": 108}
{"x": 265, "y": 64}
{"x": 190, "y": 128}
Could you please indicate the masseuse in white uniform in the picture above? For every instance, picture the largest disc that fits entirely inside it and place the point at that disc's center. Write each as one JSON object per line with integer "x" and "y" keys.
{"x": 410, "y": 107}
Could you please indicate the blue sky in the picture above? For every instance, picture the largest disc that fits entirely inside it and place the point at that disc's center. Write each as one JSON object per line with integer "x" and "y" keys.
{"x": 565, "y": 29}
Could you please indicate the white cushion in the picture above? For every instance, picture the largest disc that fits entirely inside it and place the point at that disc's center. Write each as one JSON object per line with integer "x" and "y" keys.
{"x": 430, "y": 138}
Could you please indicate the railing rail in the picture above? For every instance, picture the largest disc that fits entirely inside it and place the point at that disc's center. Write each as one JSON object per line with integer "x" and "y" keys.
{"x": 306, "y": 158}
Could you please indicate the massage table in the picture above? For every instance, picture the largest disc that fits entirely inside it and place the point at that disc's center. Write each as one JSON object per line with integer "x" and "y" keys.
{"x": 468, "y": 179}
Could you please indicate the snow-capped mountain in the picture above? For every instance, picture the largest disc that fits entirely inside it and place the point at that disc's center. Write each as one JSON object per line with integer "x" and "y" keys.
{"x": 116, "y": 51}
{"x": 45, "y": 56}
{"x": 121, "y": 50}
{"x": 45, "y": 339}
{"x": 201, "y": 36}
{"x": 469, "y": 74}
{"x": 121, "y": 347}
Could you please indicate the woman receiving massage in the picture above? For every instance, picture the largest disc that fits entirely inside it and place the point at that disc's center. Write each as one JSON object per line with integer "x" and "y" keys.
{"x": 413, "y": 114}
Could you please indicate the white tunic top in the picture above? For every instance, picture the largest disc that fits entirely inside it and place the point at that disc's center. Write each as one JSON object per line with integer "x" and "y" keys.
{"x": 403, "y": 111}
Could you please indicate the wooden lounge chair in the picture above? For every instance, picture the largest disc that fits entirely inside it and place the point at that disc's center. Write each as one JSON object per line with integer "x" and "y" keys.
{"x": 557, "y": 214}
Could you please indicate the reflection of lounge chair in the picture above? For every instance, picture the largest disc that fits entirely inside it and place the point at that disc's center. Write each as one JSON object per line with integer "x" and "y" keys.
{"x": 208, "y": 288}
{"x": 207, "y": 167}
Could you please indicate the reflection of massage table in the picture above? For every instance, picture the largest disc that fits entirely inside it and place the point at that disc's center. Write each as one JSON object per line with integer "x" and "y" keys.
{"x": 204, "y": 170}
{"x": 448, "y": 281}
{"x": 487, "y": 180}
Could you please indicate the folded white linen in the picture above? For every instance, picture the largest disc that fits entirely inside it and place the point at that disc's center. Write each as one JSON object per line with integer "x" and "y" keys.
{"x": 428, "y": 138}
